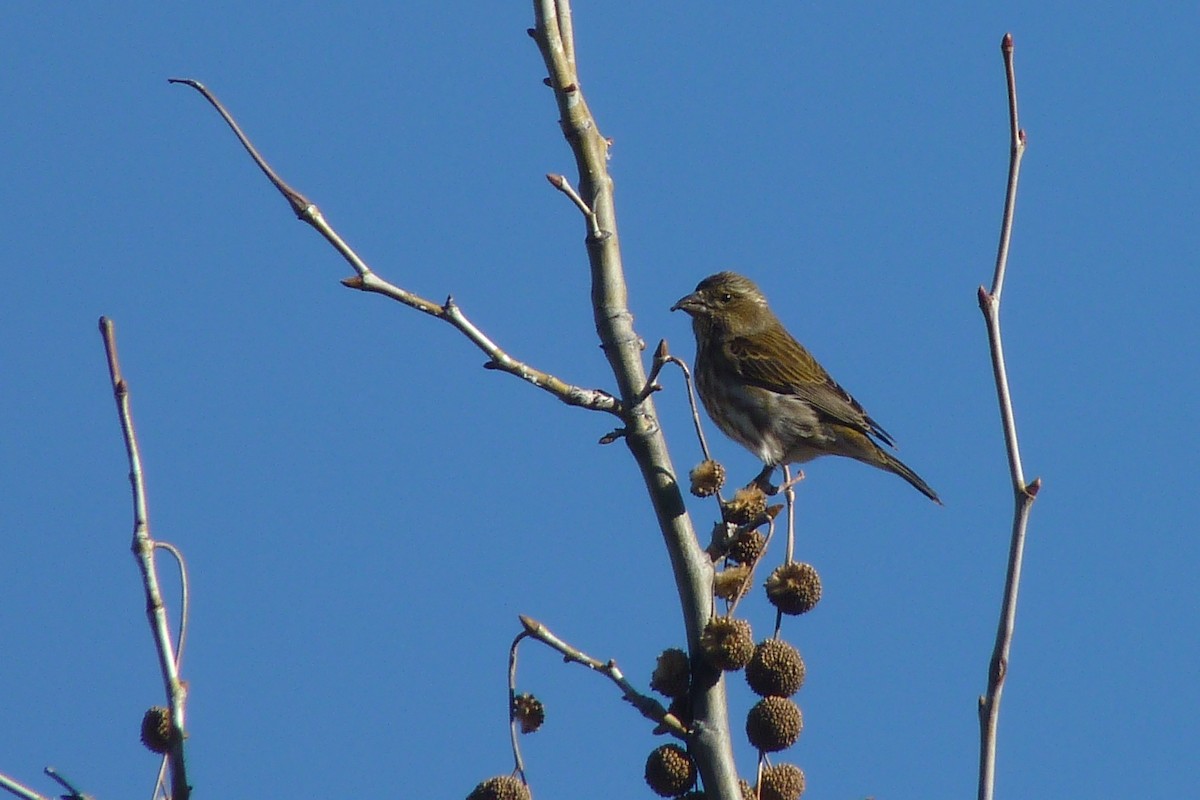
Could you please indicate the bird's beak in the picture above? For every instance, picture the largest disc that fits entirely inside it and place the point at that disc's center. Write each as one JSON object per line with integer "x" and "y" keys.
{"x": 691, "y": 304}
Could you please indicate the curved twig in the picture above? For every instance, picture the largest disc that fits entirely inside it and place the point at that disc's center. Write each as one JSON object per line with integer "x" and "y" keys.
{"x": 185, "y": 596}
{"x": 518, "y": 762}
{"x": 143, "y": 551}
{"x": 366, "y": 280}
{"x": 1024, "y": 494}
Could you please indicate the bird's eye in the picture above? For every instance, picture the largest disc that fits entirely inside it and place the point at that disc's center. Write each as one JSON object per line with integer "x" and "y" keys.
{"x": 726, "y": 297}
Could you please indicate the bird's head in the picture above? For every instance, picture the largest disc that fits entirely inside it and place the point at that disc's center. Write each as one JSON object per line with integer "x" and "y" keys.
{"x": 726, "y": 302}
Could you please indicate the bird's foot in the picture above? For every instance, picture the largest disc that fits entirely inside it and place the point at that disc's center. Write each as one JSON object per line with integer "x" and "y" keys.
{"x": 763, "y": 482}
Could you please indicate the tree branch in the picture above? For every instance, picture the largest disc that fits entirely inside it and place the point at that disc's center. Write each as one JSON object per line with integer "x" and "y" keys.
{"x": 989, "y": 304}
{"x": 709, "y": 742}
{"x": 366, "y": 280}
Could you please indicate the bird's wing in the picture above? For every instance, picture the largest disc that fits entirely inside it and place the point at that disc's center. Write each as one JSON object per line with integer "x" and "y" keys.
{"x": 775, "y": 361}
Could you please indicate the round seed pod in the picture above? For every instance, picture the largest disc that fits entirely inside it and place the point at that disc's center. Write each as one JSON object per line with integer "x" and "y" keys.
{"x": 776, "y": 669}
{"x": 748, "y": 505}
{"x": 728, "y": 643}
{"x": 794, "y": 588}
{"x": 774, "y": 724}
{"x": 782, "y": 782}
{"x": 501, "y": 787}
{"x": 747, "y": 547}
{"x": 670, "y": 771}
{"x": 672, "y": 673}
{"x": 157, "y": 731}
{"x": 730, "y": 583}
{"x": 529, "y": 712}
{"x": 707, "y": 478}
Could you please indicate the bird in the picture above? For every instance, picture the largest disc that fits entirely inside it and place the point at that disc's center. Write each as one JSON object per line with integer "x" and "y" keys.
{"x": 764, "y": 390}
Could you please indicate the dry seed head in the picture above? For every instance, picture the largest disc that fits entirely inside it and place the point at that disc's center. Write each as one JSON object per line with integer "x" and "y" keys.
{"x": 747, "y": 547}
{"x": 730, "y": 583}
{"x": 782, "y": 782}
{"x": 794, "y": 588}
{"x": 748, "y": 792}
{"x": 776, "y": 669}
{"x": 529, "y": 711}
{"x": 728, "y": 643}
{"x": 672, "y": 673}
{"x": 157, "y": 732}
{"x": 707, "y": 478}
{"x": 670, "y": 771}
{"x": 501, "y": 787}
{"x": 774, "y": 724}
{"x": 749, "y": 504}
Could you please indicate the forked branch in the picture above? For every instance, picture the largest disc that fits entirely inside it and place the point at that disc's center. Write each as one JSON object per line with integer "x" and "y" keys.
{"x": 709, "y": 740}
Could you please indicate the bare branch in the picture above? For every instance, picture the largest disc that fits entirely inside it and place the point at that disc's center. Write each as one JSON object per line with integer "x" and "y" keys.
{"x": 366, "y": 280}
{"x": 143, "y": 551}
{"x": 649, "y": 707}
{"x": 989, "y": 304}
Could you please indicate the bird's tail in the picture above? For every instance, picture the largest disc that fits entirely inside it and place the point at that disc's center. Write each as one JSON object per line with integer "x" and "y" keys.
{"x": 893, "y": 464}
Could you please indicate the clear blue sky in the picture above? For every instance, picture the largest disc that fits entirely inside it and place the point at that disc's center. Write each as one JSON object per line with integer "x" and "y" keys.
{"x": 366, "y": 511}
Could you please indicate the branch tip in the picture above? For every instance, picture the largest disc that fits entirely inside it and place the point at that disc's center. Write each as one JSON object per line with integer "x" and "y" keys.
{"x": 192, "y": 82}
{"x": 612, "y": 436}
{"x": 1006, "y": 44}
{"x": 530, "y": 624}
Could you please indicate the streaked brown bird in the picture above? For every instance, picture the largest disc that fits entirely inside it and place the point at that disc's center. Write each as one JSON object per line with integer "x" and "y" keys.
{"x": 766, "y": 391}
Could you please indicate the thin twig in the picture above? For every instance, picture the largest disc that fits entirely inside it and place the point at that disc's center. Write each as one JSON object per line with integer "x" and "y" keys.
{"x": 20, "y": 789}
{"x": 789, "y": 495}
{"x": 649, "y": 707}
{"x": 687, "y": 381}
{"x": 989, "y": 304}
{"x": 185, "y": 596}
{"x": 561, "y": 183}
{"x": 143, "y": 551}
{"x": 366, "y": 280}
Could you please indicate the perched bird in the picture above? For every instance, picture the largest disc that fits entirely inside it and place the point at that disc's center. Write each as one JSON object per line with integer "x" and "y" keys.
{"x": 766, "y": 391}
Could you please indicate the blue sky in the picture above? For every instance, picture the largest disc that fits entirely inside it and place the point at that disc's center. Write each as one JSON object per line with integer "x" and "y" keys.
{"x": 365, "y": 511}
